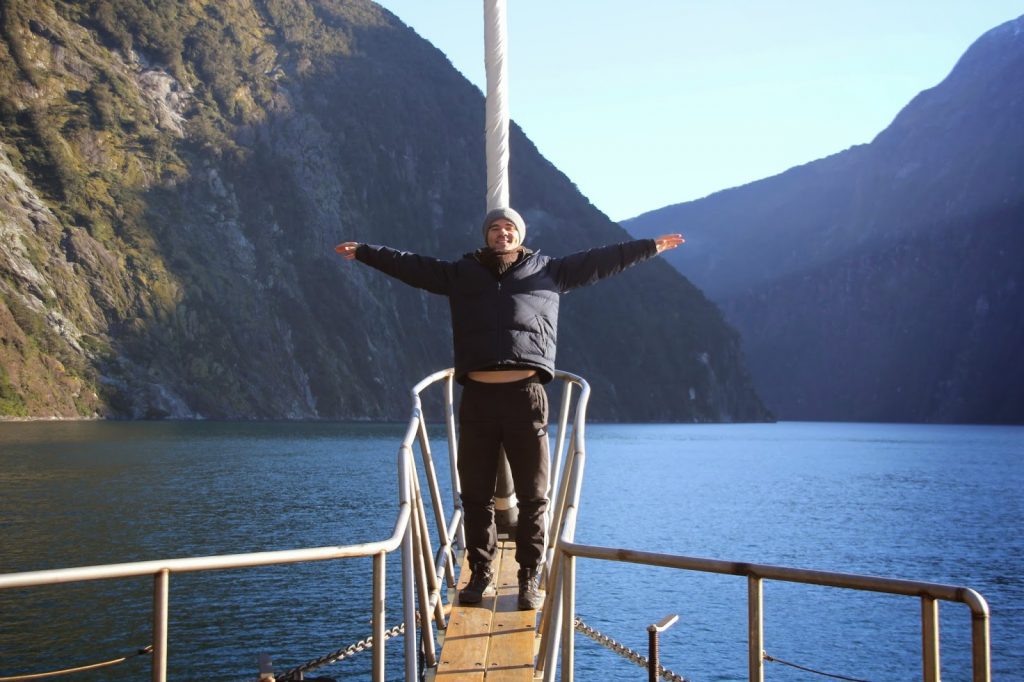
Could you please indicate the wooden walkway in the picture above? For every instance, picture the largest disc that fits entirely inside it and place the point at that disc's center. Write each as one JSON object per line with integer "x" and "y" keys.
{"x": 492, "y": 640}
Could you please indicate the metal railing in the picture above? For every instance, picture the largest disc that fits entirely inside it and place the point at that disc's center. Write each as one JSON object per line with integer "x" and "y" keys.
{"x": 421, "y": 586}
{"x": 557, "y": 622}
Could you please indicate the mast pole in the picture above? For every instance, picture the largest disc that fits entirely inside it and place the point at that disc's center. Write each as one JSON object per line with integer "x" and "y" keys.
{"x": 496, "y": 110}
{"x": 496, "y": 118}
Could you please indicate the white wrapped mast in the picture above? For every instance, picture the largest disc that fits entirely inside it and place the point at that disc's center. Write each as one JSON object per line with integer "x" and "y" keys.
{"x": 496, "y": 110}
{"x": 506, "y": 506}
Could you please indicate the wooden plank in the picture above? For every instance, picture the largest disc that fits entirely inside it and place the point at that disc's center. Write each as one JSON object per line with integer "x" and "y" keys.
{"x": 493, "y": 640}
{"x": 512, "y": 643}
{"x": 464, "y": 655}
{"x": 511, "y": 652}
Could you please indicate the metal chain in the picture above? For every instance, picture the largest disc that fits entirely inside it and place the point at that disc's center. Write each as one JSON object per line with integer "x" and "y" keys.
{"x": 340, "y": 654}
{"x": 625, "y": 651}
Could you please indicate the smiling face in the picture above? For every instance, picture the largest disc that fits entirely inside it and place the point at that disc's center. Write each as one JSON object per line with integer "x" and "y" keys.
{"x": 503, "y": 236}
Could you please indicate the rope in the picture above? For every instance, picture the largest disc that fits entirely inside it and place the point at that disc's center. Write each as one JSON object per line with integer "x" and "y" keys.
{"x": 78, "y": 669}
{"x": 625, "y": 651}
{"x": 810, "y": 670}
{"x": 340, "y": 654}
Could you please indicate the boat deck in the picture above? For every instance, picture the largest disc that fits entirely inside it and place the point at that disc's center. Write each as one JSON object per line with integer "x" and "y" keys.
{"x": 492, "y": 640}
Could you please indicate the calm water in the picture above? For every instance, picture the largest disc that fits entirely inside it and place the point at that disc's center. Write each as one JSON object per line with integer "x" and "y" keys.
{"x": 935, "y": 503}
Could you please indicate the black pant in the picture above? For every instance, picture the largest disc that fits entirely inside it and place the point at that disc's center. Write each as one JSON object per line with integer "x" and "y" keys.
{"x": 513, "y": 415}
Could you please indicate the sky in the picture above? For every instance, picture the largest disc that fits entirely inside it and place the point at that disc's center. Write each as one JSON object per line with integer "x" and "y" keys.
{"x": 647, "y": 103}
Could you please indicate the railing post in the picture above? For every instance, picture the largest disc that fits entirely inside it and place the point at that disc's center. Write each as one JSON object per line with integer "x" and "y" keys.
{"x": 981, "y": 647}
{"x": 930, "y": 639}
{"x": 755, "y": 628}
{"x": 408, "y": 580}
{"x": 379, "y": 567}
{"x": 438, "y": 505}
{"x": 560, "y": 503}
{"x": 555, "y": 473}
{"x": 569, "y": 492}
{"x": 418, "y": 524}
{"x": 453, "y": 458}
{"x": 551, "y": 623}
{"x": 568, "y": 615}
{"x": 161, "y": 591}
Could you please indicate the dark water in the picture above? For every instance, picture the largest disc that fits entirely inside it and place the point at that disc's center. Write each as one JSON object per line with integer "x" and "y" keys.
{"x": 934, "y": 503}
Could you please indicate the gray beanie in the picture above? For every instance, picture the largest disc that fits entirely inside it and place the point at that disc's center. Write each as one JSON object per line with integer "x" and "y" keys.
{"x": 507, "y": 214}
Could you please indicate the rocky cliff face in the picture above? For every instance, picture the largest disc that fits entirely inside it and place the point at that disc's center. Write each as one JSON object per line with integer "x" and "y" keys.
{"x": 174, "y": 176}
{"x": 885, "y": 282}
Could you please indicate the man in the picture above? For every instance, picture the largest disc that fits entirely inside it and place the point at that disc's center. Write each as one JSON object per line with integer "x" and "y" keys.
{"x": 504, "y": 309}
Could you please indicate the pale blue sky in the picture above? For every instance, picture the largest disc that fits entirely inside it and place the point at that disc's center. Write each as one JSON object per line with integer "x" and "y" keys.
{"x": 645, "y": 103}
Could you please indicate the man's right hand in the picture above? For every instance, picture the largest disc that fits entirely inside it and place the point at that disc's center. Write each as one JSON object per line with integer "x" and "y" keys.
{"x": 347, "y": 250}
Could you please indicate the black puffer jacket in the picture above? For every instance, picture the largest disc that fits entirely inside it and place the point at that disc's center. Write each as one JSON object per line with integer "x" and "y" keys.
{"x": 512, "y": 320}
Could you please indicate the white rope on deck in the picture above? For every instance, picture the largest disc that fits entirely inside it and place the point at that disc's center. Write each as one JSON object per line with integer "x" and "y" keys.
{"x": 77, "y": 669}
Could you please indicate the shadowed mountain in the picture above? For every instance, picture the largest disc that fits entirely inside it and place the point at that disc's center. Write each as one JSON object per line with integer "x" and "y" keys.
{"x": 174, "y": 176}
{"x": 885, "y": 282}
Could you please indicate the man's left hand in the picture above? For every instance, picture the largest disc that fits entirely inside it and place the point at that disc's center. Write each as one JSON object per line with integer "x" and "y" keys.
{"x": 668, "y": 241}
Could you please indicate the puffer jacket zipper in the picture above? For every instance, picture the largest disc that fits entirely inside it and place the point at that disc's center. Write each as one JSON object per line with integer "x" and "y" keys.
{"x": 500, "y": 352}
{"x": 497, "y": 328}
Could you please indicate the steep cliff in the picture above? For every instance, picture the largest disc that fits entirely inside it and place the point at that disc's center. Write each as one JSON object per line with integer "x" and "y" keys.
{"x": 174, "y": 175}
{"x": 885, "y": 282}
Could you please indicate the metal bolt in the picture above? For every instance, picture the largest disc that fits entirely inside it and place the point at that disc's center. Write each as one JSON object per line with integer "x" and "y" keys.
{"x": 653, "y": 631}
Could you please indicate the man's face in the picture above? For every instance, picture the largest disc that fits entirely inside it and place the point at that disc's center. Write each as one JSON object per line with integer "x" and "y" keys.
{"x": 502, "y": 235}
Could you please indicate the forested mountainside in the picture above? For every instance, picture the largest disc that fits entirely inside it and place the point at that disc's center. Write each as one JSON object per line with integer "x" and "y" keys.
{"x": 174, "y": 176}
{"x": 885, "y": 282}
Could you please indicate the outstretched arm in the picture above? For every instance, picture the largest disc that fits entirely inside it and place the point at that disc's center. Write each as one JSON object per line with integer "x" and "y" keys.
{"x": 422, "y": 272}
{"x": 587, "y": 267}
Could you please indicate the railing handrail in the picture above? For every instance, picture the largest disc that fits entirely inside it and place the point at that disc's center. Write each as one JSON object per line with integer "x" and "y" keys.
{"x": 854, "y": 581}
{"x": 206, "y": 563}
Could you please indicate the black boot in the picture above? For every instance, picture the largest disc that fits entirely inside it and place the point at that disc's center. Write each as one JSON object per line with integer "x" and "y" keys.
{"x": 479, "y": 584}
{"x": 529, "y": 589}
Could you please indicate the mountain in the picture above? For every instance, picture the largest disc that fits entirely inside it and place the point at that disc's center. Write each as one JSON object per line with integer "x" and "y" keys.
{"x": 885, "y": 282}
{"x": 174, "y": 176}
